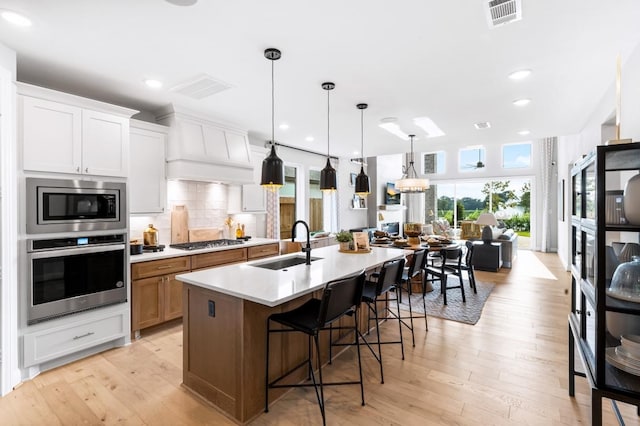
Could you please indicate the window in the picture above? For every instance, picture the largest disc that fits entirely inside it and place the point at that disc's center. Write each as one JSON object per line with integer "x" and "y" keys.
{"x": 288, "y": 202}
{"x": 471, "y": 159}
{"x": 516, "y": 156}
{"x": 433, "y": 163}
{"x": 315, "y": 201}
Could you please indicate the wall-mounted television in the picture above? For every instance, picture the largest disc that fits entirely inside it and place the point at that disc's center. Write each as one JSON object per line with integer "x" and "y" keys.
{"x": 392, "y": 196}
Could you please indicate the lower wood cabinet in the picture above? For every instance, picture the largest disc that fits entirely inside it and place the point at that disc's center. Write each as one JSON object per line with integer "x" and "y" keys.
{"x": 156, "y": 295}
{"x": 158, "y": 298}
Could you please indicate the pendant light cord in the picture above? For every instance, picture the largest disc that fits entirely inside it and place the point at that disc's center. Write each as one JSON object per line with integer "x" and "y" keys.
{"x": 362, "y": 135}
{"x": 273, "y": 103}
{"x": 328, "y": 118}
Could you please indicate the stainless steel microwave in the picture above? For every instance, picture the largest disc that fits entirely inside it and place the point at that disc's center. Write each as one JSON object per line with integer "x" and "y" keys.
{"x": 61, "y": 205}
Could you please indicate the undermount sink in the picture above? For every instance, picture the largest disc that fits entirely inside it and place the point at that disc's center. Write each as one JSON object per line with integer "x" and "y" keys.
{"x": 283, "y": 263}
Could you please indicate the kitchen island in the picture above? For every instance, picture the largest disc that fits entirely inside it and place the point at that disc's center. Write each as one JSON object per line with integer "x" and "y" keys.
{"x": 225, "y": 314}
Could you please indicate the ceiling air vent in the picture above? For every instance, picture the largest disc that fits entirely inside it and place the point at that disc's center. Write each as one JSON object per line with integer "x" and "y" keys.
{"x": 501, "y": 12}
{"x": 482, "y": 125}
{"x": 201, "y": 86}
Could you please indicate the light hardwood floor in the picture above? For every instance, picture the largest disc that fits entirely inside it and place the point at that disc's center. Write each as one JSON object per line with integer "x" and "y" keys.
{"x": 510, "y": 368}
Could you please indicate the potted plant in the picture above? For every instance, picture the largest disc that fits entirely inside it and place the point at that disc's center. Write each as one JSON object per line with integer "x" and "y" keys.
{"x": 344, "y": 238}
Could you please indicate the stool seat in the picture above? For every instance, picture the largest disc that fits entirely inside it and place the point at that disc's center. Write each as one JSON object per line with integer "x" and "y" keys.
{"x": 304, "y": 318}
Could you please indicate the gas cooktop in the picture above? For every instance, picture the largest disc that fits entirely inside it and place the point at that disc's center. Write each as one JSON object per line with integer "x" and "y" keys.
{"x": 205, "y": 244}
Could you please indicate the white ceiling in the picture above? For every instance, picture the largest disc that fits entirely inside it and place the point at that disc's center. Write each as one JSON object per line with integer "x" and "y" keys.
{"x": 405, "y": 59}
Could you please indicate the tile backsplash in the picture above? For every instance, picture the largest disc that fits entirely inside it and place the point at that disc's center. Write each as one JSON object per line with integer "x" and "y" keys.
{"x": 207, "y": 206}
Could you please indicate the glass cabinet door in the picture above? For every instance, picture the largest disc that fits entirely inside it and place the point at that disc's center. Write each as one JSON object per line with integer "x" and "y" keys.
{"x": 576, "y": 209}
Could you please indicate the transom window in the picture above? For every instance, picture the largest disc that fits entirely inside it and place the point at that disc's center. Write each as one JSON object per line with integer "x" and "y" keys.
{"x": 433, "y": 163}
{"x": 516, "y": 156}
{"x": 472, "y": 159}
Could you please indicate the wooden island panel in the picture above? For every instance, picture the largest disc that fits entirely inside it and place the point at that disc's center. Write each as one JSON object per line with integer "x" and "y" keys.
{"x": 224, "y": 356}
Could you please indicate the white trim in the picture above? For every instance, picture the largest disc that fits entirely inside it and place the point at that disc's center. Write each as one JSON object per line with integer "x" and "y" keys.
{"x": 9, "y": 366}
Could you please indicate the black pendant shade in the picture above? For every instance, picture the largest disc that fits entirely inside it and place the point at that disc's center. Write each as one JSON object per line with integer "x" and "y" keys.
{"x": 272, "y": 171}
{"x": 328, "y": 178}
{"x": 272, "y": 166}
{"x": 362, "y": 183}
{"x": 362, "y": 180}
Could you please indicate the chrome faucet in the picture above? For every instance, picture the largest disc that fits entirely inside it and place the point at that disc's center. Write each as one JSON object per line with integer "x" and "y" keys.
{"x": 307, "y": 248}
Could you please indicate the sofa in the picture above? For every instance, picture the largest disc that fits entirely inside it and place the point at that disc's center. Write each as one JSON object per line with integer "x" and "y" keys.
{"x": 500, "y": 253}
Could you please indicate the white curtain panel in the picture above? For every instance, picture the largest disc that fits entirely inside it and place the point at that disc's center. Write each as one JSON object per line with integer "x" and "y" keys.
{"x": 273, "y": 215}
{"x": 546, "y": 191}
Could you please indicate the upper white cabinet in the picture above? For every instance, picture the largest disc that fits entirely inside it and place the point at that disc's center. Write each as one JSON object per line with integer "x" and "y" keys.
{"x": 147, "y": 178}
{"x": 201, "y": 149}
{"x": 64, "y": 133}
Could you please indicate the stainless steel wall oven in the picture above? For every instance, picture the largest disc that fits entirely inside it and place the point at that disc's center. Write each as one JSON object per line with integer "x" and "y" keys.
{"x": 72, "y": 274}
{"x": 64, "y": 205}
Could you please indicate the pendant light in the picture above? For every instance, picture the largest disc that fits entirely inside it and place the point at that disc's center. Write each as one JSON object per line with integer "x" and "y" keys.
{"x": 272, "y": 166}
{"x": 362, "y": 180}
{"x": 410, "y": 181}
{"x": 328, "y": 180}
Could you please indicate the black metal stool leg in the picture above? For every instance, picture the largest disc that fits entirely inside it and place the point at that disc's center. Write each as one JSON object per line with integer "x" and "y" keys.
{"x": 355, "y": 335}
{"x": 400, "y": 322}
{"x": 321, "y": 399}
{"x": 375, "y": 312}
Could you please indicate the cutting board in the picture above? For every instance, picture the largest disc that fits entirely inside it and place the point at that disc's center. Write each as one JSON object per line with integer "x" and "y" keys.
{"x": 204, "y": 234}
{"x": 179, "y": 224}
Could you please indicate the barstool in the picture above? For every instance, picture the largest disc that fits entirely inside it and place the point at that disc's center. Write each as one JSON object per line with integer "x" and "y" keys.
{"x": 415, "y": 269}
{"x": 339, "y": 298}
{"x": 378, "y": 290}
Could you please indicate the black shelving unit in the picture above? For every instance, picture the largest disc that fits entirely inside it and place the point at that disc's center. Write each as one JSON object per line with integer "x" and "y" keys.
{"x": 592, "y": 177}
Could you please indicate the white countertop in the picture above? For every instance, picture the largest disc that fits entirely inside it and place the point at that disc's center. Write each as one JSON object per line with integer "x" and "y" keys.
{"x": 169, "y": 252}
{"x": 271, "y": 288}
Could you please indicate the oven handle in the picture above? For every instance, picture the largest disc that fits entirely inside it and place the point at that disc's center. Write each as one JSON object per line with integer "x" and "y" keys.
{"x": 73, "y": 251}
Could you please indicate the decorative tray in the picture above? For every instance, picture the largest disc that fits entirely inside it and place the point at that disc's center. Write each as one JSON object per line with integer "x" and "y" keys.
{"x": 355, "y": 251}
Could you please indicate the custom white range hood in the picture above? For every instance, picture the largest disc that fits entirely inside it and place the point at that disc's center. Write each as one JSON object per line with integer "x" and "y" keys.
{"x": 203, "y": 150}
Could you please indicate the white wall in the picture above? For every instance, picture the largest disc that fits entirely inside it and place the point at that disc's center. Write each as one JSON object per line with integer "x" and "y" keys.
{"x": 9, "y": 370}
{"x": 572, "y": 147}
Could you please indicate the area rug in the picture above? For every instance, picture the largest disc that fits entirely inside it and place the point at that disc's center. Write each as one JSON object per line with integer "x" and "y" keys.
{"x": 455, "y": 309}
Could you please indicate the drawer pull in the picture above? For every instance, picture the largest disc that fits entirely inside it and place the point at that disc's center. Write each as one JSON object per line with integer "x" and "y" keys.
{"x": 91, "y": 333}
{"x": 165, "y": 267}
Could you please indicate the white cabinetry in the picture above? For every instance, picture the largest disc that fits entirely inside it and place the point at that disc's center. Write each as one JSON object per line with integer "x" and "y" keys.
{"x": 254, "y": 199}
{"x": 147, "y": 178}
{"x": 64, "y": 133}
{"x": 201, "y": 149}
{"x": 51, "y": 343}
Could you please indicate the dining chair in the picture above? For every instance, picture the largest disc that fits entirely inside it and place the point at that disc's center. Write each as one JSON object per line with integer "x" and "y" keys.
{"x": 450, "y": 265}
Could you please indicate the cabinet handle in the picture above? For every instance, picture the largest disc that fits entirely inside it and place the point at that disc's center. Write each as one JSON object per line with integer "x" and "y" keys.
{"x": 588, "y": 313}
{"x": 91, "y": 333}
{"x": 86, "y": 170}
{"x": 165, "y": 267}
{"x": 578, "y": 311}
{"x": 78, "y": 169}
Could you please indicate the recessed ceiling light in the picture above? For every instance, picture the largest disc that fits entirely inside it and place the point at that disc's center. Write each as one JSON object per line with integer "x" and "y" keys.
{"x": 309, "y": 139}
{"x": 521, "y": 102}
{"x": 15, "y": 18}
{"x": 482, "y": 125}
{"x": 524, "y": 132}
{"x": 430, "y": 128}
{"x": 389, "y": 124}
{"x": 520, "y": 74}
{"x": 154, "y": 84}
{"x": 183, "y": 2}
{"x": 284, "y": 126}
